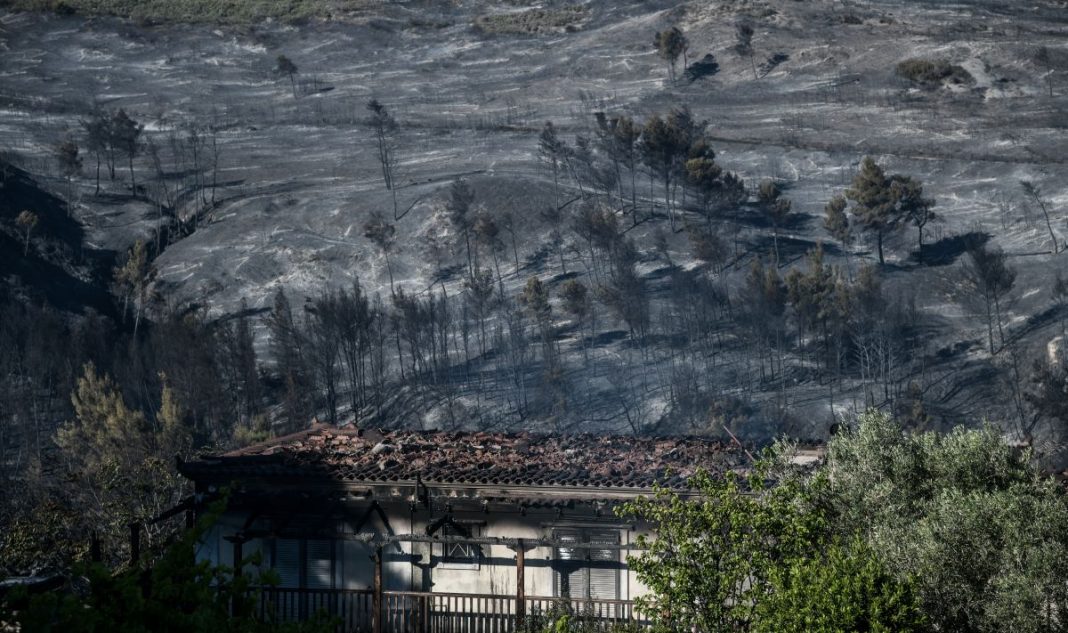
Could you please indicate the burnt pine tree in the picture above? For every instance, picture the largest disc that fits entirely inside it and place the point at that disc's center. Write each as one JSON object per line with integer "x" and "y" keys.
{"x": 285, "y": 66}
{"x": 776, "y": 209}
{"x": 383, "y": 235}
{"x": 665, "y": 144}
{"x": 1034, "y": 193}
{"x": 125, "y": 137}
{"x": 461, "y": 197}
{"x": 27, "y": 222}
{"x": 836, "y": 222}
{"x": 553, "y": 151}
{"x": 743, "y": 44}
{"x": 70, "y": 164}
{"x": 874, "y": 202}
{"x": 97, "y": 138}
{"x": 385, "y": 128}
{"x": 991, "y": 278}
{"x": 912, "y": 205}
{"x": 669, "y": 45}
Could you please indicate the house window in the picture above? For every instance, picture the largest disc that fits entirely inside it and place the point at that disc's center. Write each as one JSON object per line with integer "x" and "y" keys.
{"x": 581, "y": 570}
{"x": 304, "y": 563}
{"x": 460, "y": 555}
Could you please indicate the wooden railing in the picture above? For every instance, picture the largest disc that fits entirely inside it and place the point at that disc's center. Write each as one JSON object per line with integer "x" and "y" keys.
{"x": 423, "y": 612}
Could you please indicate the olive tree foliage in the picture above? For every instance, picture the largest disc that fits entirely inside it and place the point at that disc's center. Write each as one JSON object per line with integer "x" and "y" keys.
{"x": 963, "y": 514}
{"x": 741, "y": 555}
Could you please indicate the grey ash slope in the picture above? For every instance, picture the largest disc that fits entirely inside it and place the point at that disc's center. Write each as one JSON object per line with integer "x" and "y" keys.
{"x": 300, "y": 176}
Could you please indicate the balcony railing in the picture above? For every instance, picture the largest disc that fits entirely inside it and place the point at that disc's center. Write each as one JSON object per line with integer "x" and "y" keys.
{"x": 422, "y": 612}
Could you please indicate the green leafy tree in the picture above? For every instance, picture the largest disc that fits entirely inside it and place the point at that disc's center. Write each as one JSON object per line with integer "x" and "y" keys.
{"x": 844, "y": 590}
{"x": 711, "y": 563}
{"x": 964, "y": 515}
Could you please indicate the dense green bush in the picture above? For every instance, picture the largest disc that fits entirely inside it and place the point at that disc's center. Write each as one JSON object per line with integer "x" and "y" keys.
{"x": 846, "y": 589}
{"x": 894, "y": 532}
{"x": 965, "y": 515}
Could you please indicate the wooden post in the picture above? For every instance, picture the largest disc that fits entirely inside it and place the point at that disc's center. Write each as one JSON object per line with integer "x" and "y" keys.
{"x": 135, "y": 543}
{"x": 520, "y": 584}
{"x": 376, "y": 599}
{"x": 238, "y": 555}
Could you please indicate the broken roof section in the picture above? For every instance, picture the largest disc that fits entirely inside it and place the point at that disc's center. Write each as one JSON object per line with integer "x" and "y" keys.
{"x": 367, "y": 456}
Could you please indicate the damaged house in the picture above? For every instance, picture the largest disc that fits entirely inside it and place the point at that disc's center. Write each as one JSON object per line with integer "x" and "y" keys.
{"x": 442, "y": 531}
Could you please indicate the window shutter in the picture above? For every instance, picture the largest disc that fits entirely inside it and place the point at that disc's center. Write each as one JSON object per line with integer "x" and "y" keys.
{"x": 570, "y": 573}
{"x": 320, "y": 564}
{"x": 604, "y": 568}
{"x": 287, "y": 562}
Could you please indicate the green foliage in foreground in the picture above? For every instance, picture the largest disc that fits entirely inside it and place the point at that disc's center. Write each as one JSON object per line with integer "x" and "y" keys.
{"x": 743, "y": 555}
{"x": 894, "y": 532}
{"x": 845, "y": 589}
{"x": 178, "y": 595}
{"x": 966, "y": 515}
{"x": 196, "y": 11}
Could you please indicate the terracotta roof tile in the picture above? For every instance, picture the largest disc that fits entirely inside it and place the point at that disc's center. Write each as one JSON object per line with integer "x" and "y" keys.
{"x": 473, "y": 458}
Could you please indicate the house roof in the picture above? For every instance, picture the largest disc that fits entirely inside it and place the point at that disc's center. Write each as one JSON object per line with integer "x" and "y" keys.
{"x": 367, "y": 456}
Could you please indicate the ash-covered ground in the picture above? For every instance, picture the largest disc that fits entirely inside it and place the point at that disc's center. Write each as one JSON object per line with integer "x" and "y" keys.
{"x": 298, "y": 177}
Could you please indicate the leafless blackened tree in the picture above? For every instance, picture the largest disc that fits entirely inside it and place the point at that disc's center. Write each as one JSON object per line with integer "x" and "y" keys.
{"x": 97, "y": 128}
{"x": 479, "y": 287}
{"x": 289, "y": 354}
{"x": 989, "y": 276}
{"x": 70, "y": 165}
{"x": 459, "y": 206}
{"x": 553, "y": 151}
{"x": 487, "y": 235}
{"x": 776, "y": 208}
{"x": 618, "y": 139}
{"x": 126, "y": 138}
{"x": 383, "y": 235}
{"x": 285, "y": 66}
{"x": 743, "y": 46}
{"x": 1034, "y": 194}
{"x": 323, "y": 333}
{"x": 26, "y": 221}
{"x": 385, "y": 129}
{"x": 625, "y": 293}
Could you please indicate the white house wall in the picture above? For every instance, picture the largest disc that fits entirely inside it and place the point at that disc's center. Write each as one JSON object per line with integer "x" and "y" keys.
{"x": 418, "y": 566}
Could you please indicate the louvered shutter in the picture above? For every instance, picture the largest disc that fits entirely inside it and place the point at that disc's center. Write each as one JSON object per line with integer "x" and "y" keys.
{"x": 570, "y": 574}
{"x": 604, "y": 570}
{"x": 320, "y": 560}
{"x": 287, "y": 562}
